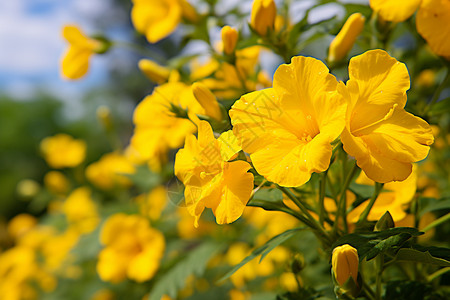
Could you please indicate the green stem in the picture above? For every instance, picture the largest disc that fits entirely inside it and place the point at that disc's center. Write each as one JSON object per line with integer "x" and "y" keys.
{"x": 139, "y": 49}
{"x": 313, "y": 223}
{"x": 437, "y": 222}
{"x": 365, "y": 213}
{"x": 342, "y": 202}
{"x": 437, "y": 274}
{"x": 438, "y": 92}
{"x": 322, "y": 186}
{"x": 380, "y": 261}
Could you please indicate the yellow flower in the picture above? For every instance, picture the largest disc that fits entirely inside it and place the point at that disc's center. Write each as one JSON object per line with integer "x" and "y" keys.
{"x": 345, "y": 39}
{"x": 395, "y": 199}
{"x": 20, "y": 225}
{"x": 56, "y": 182}
{"x": 263, "y": 16}
{"x": 433, "y": 25}
{"x": 394, "y": 10}
{"x": 110, "y": 171}
{"x": 207, "y": 100}
{"x": 156, "y": 18}
{"x": 132, "y": 249}
{"x": 288, "y": 129}
{"x": 229, "y": 39}
{"x": 153, "y": 71}
{"x": 157, "y": 129}
{"x": 153, "y": 203}
{"x": 81, "y": 210}
{"x": 379, "y": 133}
{"x": 344, "y": 264}
{"x": 56, "y": 249}
{"x": 210, "y": 180}
{"x": 62, "y": 151}
{"x": 75, "y": 62}
{"x": 431, "y": 20}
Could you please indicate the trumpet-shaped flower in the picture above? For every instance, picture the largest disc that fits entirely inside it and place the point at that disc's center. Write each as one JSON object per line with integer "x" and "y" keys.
{"x": 157, "y": 128}
{"x": 210, "y": 180}
{"x": 62, "y": 151}
{"x": 395, "y": 198}
{"x": 433, "y": 25}
{"x": 133, "y": 249}
{"x": 288, "y": 129}
{"x": 159, "y": 18}
{"x": 109, "y": 171}
{"x": 395, "y": 10}
{"x": 379, "y": 133}
{"x": 431, "y": 20}
{"x": 75, "y": 62}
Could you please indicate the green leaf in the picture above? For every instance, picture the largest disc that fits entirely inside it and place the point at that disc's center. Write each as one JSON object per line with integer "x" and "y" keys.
{"x": 408, "y": 254}
{"x": 264, "y": 250}
{"x": 144, "y": 179}
{"x": 436, "y": 205}
{"x": 370, "y": 244}
{"x": 194, "y": 263}
{"x": 441, "y": 107}
{"x": 272, "y": 195}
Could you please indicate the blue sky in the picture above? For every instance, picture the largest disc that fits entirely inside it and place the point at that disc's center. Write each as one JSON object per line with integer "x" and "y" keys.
{"x": 31, "y": 45}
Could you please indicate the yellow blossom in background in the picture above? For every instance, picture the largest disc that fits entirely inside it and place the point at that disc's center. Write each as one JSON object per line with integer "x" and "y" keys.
{"x": 395, "y": 10}
{"x": 154, "y": 71}
{"x": 395, "y": 198}
{"x": 20, "y": 225}
{"x": 210, "y": 180}
{"x": 156, "y": 19}
{"x": 346, "y": 38}
{"x": 288, "y": 129}
{"x": 433, "y": 25}
{"x": 62, "y": 151}
{"x": 207, "y": 100}
{"x": 56, "y": 250}
{"x": 157, "y": 129}
{"x": 153, "y": 203}
{"x": 229, "y": 39}
{"x": 56, "y": 182}
{"x": 81, "y": 210}
{"x": 263, "y": 16}
{"x": 103, "y": 294}
{"x": 75, "y": 62}
{"x": 132, "y": 250}
{"x": 110, "y": 171}
{"x": 379, "y": 133}
{"x": 344, "y": 264}
{"x": 426, "y": 79}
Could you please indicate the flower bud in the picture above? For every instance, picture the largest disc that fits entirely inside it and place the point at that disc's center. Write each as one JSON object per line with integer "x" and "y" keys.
{"x": 345, "y": 39}
{"x": 385, "y": 222}
{"x": 153, "y": 71}
{"x": 229, "y": 39}
{"x": 263, "y": 16}
{"x": 207, "y": 100}
{"x": 56, "y": 182}
{"x": 344, "y": 264}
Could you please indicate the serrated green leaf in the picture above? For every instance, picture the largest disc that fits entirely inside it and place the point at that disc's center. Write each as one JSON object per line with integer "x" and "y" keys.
{"x": 194, "y": 263}
{"x": 408, "y": 254}
{"x": 264, "y": 250}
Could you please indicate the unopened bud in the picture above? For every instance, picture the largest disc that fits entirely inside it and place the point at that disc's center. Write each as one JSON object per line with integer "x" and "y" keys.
{"x": 153, "y": 71}
{"x": 207, "y": 100}
{"x": 104, "y": 116}
{"x": 385, "y": 222}
{"x": 345, "y": 264}
{"x": 346, "y": 38}
{"x": 229, "y": 39}
{"x": 263, "y": 16}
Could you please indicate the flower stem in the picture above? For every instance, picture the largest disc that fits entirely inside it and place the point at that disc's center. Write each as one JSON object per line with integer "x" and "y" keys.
{"x": 342, "y": 201}
{"x": 437, "y": 222}
{"x": 437, "y": 274}
{"x": 365, "y": 213}
{"x": 322, "y": 186}
{"x": 438, "y": 92}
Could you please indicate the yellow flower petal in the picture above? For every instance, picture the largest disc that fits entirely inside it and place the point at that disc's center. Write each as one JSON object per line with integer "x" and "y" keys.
{"x": 433, "y": 24}
{"x": 288, "y": 129}
{"x": 395, "y": 10}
